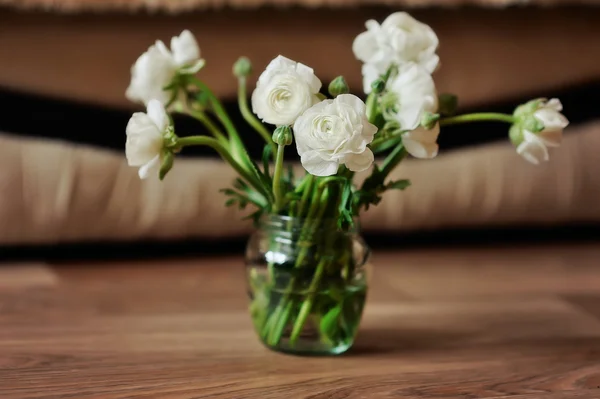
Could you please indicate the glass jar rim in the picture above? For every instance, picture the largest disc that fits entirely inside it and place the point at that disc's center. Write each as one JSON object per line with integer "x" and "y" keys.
{"x": 315, "y": 225}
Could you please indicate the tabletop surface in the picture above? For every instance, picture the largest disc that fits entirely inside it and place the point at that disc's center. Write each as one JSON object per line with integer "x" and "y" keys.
{"x": 505, "y": 322}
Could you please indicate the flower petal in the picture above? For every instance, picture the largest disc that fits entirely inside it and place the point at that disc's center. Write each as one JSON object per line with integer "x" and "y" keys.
{"x": 185, "y": 48}
{"x": 162, "y": 48}
{"x": 532, "y": 149}
{"x": 308, "y": 74}
{"x": 144, "y": 141}
{"x": 370, "y": 73}
{"x": 364, "y": 46}
{"x": 156, "y": 112}
{"x": 359, "y": 162}
{"x": 151, "y": 72}
{"x": 317, "y": 166}
{"x": 192, "y": 68}
{"x": 420, "y": 150}
{"x": 423, "y": 135}
{"x": 421, "y": 143}
{"x": 551, "y": 118}
{"x": 150, "y": 168}
{"x": 555, "y": 104}
{"x": 551, "y": 138}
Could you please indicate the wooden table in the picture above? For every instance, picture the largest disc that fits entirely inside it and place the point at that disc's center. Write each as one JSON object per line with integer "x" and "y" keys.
{"x": 517, "y": 323}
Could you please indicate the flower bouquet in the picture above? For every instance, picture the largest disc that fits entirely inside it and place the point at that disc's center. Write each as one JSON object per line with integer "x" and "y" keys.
{"x": 307, "y": 267}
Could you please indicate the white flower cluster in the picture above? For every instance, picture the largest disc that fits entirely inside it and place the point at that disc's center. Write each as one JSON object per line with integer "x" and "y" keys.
{"x": 156, "y": 68}
{"x": 409, "y": 46}
{"x": 534, "y": 146}
{"x": 333, "y": 132}
{"x": 153, "y": 71}
{"x": 328, "y": 133}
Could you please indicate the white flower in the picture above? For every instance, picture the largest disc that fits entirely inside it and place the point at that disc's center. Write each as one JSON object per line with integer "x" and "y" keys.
{"x": 284, "y": 91}
{"x": 408, "y": 94}
{"x": 422, "y": 143}
{"x": 156, "y": 68}
{"x": 185, "y": 49}
{"x": 335, "y": 132}
{"x": 549, "y": 113}
{"x": 534, "y": 146}
{"x": 145, "y": 132}
{"x": 400, "y": 39}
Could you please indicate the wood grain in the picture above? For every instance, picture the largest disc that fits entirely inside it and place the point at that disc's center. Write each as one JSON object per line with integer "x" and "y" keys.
{"x": 518, "y": 323}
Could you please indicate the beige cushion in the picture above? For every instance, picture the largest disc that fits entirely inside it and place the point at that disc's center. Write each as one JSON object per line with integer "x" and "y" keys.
{"x": 57, "y": 192}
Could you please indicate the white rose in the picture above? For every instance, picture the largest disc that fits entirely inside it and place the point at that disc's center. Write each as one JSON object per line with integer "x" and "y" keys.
{"x": 145, "y": 132}
{"x": 284, "y": 91}
{"x": 335, "y": 132}
{"x": 408, "y": 94}
{"x": 422, "y": 143}
{"x": 534, "y": 147}
{"x": 156, "y": 68}
{"x": 400, "y": 39}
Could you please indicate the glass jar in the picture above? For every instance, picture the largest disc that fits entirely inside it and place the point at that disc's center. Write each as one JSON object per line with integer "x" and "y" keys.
{"x": 307, "y": 283}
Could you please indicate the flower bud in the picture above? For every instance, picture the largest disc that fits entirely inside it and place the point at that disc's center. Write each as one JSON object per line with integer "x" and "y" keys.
{"x": 338, "y": 86}
{"x": 447, "y": 104}
{"x": 429, "y": 120}
{"x": 378, "y": 86}
{"x": 242, "y": 67}
{"x": 283, "y": 135}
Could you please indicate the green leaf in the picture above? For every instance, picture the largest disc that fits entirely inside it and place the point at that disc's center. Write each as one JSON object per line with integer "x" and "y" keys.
{"x": 266, "y": 181}
{"x": 398, "y": 185}
{"x": 329, "y": 325}
{"x": 266, "y": 159}
{"x": 240, "y": 184}
{"x": 255, "y": 216}
{"x": 230, "y": 202}
{"x": 166, "y": 163}
{"x": 392, "y": 142}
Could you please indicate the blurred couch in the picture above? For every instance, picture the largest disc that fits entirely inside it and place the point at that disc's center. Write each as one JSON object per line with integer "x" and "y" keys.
{"x": 491, "y": 51}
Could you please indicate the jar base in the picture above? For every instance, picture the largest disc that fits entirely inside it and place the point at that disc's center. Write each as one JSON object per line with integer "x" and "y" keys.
{"x": 309, "y": 349}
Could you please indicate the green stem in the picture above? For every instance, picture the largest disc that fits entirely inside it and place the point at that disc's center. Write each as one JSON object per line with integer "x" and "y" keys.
{"x": 277, "y": 189}
{"x": 393, "y": 159}
{"x": 307, "y": 304}
{"x": 319, "y": 197}
{"x": 481, "y": 116}
{"x": 225, "y": 154}
{"x": 250, "y": 118}
{"x": 280, "y": 319}
{"x": 371, "y": 107}
{"x": 377, "y": 144}
{"x": 316, "y": 281}
{"x": 237, "y": 145}
{"x": 209, "y": 124}
{"x": 307, "y": 191}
